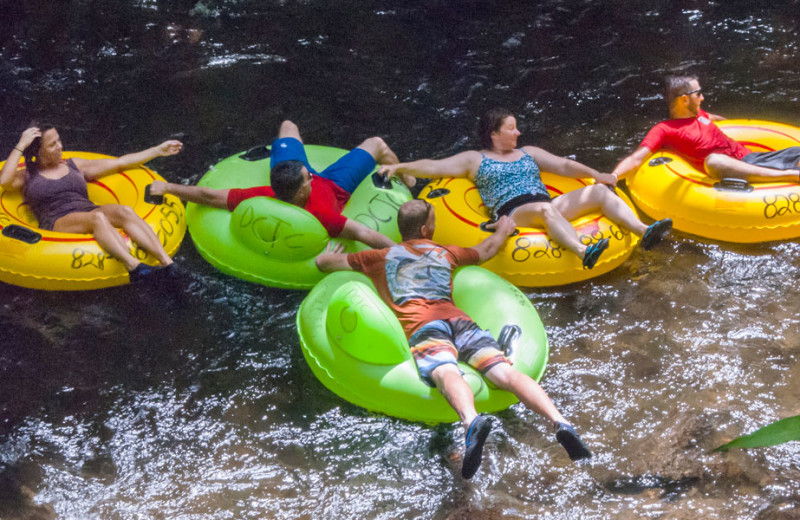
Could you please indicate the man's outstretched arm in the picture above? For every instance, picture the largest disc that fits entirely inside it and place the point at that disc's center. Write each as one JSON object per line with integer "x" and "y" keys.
{"x": 332, "y": 259}
{"x": 631, "y": 163}
{"x": 354, "y": 230}
{"x": 196, "y": 194}
{"x": 489, "y": 247}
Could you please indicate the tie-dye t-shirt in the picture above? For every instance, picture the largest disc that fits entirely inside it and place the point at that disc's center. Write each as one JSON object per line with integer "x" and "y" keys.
{"x": 415, "y": 278}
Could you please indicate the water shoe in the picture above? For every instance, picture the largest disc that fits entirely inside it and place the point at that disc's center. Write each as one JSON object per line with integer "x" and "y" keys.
{"x": 593, "y": 253}
{"x": 476, "y": 436}
{"x": 140, "y": 272}
{"x": 655, "y": 233}
{"x": 571, "y": 441}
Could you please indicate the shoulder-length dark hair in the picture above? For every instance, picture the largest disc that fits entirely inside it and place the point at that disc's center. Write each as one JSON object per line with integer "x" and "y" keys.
{"x": 31, "y": 153}
{"x": 490, "y": 123}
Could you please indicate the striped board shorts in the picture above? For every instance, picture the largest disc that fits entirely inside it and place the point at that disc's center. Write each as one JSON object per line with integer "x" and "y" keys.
{"x": 442, "y": 342}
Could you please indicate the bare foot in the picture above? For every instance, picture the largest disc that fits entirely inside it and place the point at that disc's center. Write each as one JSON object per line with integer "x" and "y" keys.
{"x": 408, "y": 180}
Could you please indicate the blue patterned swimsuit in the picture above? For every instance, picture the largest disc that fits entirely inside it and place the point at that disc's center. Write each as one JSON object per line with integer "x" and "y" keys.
{"x": 516, "y": 182}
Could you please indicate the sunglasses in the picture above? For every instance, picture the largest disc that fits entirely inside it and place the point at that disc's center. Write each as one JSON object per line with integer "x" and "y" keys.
{"x": 695, "y": 91}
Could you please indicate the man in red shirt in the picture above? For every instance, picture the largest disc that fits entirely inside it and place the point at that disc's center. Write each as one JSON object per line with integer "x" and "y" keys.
{"x": 414, "y": 278}
{"x": 323, "y": 194}
{"x": 691, "y": 132}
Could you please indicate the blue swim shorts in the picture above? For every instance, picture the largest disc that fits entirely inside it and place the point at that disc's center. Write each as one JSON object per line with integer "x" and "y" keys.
{"x": 347, "y": 172}
{"x": 443, "y": 342}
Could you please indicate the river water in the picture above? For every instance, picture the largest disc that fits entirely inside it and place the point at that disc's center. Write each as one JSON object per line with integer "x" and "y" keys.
{"x": 135, "y": 403}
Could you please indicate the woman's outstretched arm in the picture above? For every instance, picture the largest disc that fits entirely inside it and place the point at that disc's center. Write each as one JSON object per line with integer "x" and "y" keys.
{"x": 96, "y": 168}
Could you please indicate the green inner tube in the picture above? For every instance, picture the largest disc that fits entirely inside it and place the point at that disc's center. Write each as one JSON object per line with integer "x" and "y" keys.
{"x": 274, "y": 243}
{"x": 356, "y": 347}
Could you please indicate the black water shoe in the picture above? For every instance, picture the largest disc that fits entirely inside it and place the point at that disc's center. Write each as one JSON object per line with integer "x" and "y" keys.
{"x": 476, "y": 436}
{"x": 593, "y": 253}
{"x": 571, "y": 441}
{"x": 655, "y": 233}
{"x": 140, "y": 272}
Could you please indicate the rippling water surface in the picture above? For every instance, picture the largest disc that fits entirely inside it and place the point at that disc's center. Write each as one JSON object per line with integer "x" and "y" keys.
{"x": 130, "y": 403}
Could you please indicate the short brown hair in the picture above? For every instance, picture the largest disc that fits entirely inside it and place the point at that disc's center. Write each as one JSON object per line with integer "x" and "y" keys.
{"x": 676, "y": 86}
{"x": 411, "y": 216}
{"x": 286, "y": 178}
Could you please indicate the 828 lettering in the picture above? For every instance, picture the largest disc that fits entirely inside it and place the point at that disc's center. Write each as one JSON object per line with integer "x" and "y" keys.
{"x": 83, "y": 258}
{"x": 525, "y": 248}
{"x": 778, "y": 205}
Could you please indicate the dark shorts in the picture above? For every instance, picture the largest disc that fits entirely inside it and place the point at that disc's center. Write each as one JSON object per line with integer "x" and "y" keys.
{"x": 520, "y": 200}
{"x": 76, "y": 206}
{"x": 785, "y": 159}
{"x": 347, "y": 172}
{"x": 444, "y": 342}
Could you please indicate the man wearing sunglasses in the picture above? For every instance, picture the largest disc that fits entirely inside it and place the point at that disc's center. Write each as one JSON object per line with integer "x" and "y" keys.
{"x": 691, "y": 132}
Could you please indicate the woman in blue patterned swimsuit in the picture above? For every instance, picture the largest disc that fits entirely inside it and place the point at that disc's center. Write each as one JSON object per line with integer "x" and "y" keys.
{"x": 509, "y": 182}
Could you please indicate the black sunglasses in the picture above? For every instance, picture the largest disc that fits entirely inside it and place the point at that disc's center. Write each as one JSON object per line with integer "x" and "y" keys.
{"x": 695, "y": 91}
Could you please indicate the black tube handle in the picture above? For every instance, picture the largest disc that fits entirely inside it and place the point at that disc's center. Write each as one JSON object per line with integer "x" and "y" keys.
{"x": 731, "y": 184}
{"x": 21, "y": 233}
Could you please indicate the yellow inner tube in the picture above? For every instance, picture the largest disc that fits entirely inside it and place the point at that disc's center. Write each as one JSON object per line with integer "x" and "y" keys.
{"x": 667, "y": 186}
{"x": 531, "y": 258}
{"x": 41, "y": 259}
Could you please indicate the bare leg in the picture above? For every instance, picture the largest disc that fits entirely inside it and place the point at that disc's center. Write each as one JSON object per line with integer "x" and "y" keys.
{"x": 719, "y": 166}
{"x": 196, "y": 194}
{"x": 98, "y": 225}
{"x": 208, "y": 196}
{"x": 379, "y": 150}
{"x": 526, "y": 389}
{"x": 456, "y": 391}
{"x": 536, "y": 399}
{"x": 124, "y": 217}
{"x": 598, "y": 197}
{"x": 289, "y": 129}
{"x": 546, "y": 214}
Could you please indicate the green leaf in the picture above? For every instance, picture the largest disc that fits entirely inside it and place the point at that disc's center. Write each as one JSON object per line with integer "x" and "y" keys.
{"x": 778, "y": 432}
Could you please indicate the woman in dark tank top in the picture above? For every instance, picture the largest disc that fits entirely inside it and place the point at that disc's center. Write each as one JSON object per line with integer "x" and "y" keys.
{"x": 56, "y": 192}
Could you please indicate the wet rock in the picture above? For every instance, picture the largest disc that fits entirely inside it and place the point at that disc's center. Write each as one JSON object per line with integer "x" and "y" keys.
{"x": 641, "y": 366}
{"x": 675, "y": 458}
{"x": 783, "y": 509}
{"x": 16, "y": 495}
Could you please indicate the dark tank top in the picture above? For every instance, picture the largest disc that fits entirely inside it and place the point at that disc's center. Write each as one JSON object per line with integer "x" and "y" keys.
{"x": 51, "y": 199}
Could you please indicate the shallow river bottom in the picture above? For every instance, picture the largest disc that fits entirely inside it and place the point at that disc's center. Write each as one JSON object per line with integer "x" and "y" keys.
{"x": 201, "y": 404}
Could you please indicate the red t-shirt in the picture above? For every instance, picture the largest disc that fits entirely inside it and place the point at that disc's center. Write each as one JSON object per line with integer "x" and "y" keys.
{"x": 694, "y": 138}
{"x": 326, "y": 202}
{"x": 415, "y": 278}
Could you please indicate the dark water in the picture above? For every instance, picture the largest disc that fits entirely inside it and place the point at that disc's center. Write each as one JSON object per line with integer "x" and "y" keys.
{"x": 134, "y": 404}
